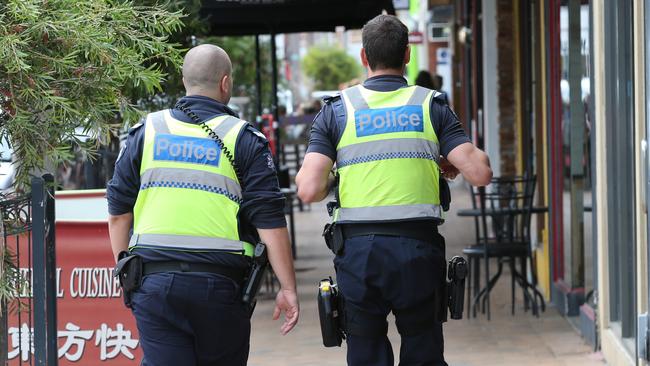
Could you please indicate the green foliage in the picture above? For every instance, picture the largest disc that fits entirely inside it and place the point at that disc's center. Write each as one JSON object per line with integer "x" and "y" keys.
{"x": 77, "y": 65}
{"x": 329, "y": 67}
{"x": 11, "y": 282}
{"x": 172, "y": 86}
{"x": 242, "y": 54}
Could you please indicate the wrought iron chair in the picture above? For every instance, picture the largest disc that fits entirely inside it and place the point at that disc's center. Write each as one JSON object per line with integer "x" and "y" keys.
{"x": 502, "y": 232}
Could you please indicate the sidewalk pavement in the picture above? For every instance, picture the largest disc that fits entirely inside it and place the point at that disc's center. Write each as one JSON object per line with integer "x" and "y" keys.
{"x": 505, "y": 340}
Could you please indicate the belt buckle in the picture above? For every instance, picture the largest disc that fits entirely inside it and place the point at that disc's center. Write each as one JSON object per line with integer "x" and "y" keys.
{"x": 185, "y": 267}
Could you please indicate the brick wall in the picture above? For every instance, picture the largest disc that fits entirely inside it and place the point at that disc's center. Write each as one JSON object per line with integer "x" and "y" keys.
{"x": 506, "y": 85}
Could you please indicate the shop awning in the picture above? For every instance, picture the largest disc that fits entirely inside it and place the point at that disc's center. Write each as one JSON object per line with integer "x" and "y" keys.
{"x": 250, "y": 17}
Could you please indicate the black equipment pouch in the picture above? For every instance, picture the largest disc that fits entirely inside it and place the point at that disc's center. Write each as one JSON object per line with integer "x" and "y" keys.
{"x": 445, "y": 194}
{"x": 330, "y": 312}
{"x": 456, "y": 286}
{"x": 333, "y": 235}
{"x": 254, "y": 280}
{"x": 128, "y": 270}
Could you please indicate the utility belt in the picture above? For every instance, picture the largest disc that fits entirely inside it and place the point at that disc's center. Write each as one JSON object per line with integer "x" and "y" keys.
{"x": 424, "y": 231}
{"x": 335, "y": 234}
{"x": 235, "y": 274}
{"x": 130, "y": 271}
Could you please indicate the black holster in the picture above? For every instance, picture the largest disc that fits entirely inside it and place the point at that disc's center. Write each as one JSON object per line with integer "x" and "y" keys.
{"x": 333, "y": 234}
{"x": 128, "y": 270}
{"x": 456, "y": 273}
{"x": 254, "y": 280}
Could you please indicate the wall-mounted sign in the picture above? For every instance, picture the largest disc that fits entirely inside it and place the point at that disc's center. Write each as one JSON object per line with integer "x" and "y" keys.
{"x": 416, "y": 37}
{"x": 94, "y": 326}
{"x": 439, "y": 32}
{"x": 401, "y": 4}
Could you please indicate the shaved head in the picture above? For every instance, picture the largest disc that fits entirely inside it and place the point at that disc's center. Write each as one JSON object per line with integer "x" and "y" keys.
{"x": 204, "y": 70}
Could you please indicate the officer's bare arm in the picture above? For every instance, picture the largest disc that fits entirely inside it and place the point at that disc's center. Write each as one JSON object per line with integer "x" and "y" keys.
{"x": 279, "y": 247}
{"x": 118, "y": 229}
{"x": 472, "y": 163}
{"x": 313, "y": 178}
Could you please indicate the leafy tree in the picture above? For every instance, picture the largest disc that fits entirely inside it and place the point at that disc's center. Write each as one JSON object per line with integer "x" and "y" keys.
{"x": 329, "y": 67}
{"x": 77, "y": 65}
{"x": 194, "y": 27}
{"x": 242, "y": 54}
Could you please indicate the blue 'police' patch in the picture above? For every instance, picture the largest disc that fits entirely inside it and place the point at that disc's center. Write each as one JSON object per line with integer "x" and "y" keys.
{"x": 186, "y": 149}
{"x": 387, "y": 120}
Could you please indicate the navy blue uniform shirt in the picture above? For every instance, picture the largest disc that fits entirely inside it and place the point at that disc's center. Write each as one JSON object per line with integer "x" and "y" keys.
{"x": 329, "y": 123}
{"x": 263, "y": 203}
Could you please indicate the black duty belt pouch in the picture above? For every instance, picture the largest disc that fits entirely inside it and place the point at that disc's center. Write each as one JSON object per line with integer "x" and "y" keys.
{"x": 330, "y": 313}
{"x": 333, "y": 235}
{"x": 445, "y": 194}
{"x": 128, "y": 270}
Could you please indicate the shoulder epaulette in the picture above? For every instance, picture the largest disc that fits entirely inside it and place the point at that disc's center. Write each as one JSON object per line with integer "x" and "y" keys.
{"x": 256, "y": 132}
{"x": 331, "y": 98}
{"x": 440, "y": 97}
{"x": 136, "y": 127}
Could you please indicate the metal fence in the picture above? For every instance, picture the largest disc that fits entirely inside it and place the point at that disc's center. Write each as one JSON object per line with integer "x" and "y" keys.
{"x": 28, "y": 333}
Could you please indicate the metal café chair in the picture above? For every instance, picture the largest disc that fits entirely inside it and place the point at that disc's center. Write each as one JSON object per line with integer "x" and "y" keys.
{"x": 502, "y": 226}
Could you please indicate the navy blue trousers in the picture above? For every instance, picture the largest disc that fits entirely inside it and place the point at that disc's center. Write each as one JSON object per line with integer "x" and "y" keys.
{"x": 191, "y": 320}
{"x": 380, "y": 274}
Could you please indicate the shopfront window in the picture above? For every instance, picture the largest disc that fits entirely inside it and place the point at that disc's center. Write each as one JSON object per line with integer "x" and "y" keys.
{"x": 619, "y": 130}
{"x": 576, "y": 157}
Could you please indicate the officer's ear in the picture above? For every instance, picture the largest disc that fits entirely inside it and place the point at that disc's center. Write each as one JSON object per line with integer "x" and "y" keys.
{"x": 364, "y": 58}
{"x": 226, "y": 84}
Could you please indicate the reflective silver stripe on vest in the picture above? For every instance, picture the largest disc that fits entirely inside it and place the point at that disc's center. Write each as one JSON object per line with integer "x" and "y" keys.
{"x": 402, "y": 148}
{"x": 191, "y": 179}
{"x": 359, "y": 102}
{"x": 356, "y": 98}
{"x": 388, "y": 213}
{"x": 186, "y": 242}
{"x": 419, "y": 96}
{"x": 158, "y": 122}
{"x": 225, "y": 126}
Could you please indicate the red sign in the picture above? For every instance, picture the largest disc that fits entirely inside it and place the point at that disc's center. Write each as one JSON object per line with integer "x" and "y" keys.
{"x": 94, "y": 326}
{"x": 416, "y": 37}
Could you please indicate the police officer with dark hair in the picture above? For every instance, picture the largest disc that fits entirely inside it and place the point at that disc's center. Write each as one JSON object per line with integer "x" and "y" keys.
{"x": 196, "y": 207}
{"x": 390, "y": 142}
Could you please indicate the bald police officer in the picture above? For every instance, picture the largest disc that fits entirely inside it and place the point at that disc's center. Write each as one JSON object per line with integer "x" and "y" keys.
{"x": 196, "y": 210}
{"x": 387, "y": 139}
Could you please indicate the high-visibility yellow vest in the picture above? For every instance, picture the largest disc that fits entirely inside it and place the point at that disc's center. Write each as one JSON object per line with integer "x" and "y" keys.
{"x": 387, "y": 158}
{"x": 189, "y": 194}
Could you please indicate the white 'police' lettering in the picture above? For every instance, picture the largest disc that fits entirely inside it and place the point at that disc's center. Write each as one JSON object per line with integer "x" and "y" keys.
{"x": 186, "y": 149}
{"x": 387, "y": 120}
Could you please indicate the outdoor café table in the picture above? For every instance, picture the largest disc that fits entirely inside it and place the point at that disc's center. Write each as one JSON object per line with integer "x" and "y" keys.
{"x": 505, "y": 211}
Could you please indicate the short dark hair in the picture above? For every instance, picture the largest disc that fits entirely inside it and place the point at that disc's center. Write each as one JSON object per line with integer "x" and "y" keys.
{"x": 385, "y": 39}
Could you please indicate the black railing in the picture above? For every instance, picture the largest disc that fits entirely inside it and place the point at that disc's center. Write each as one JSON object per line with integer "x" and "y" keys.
{"x": 28, "y": 333}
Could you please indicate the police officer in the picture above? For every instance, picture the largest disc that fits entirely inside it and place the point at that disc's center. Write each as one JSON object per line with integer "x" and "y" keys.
{"x": 194, "y": 208}
{"x": 387, "y": 139}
